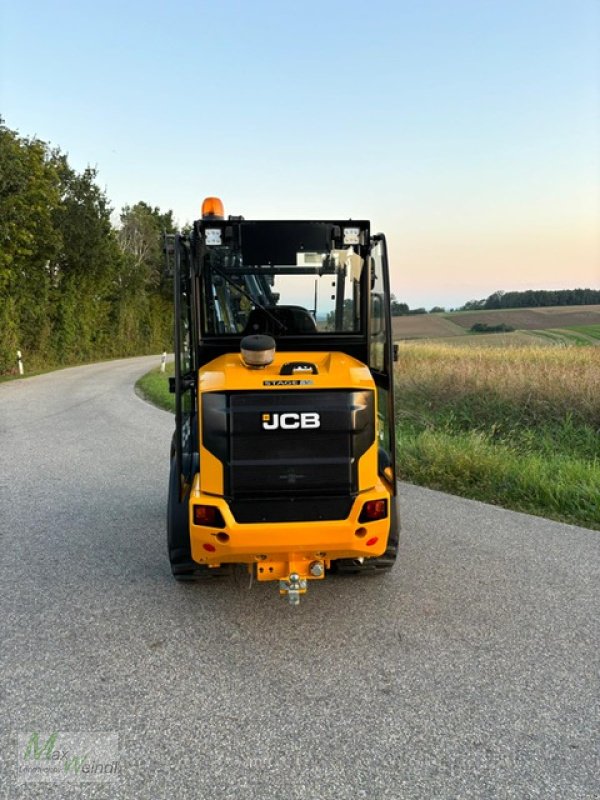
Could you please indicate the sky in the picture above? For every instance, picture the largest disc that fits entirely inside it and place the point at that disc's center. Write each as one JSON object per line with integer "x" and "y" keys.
{"x": 468, "y": 131}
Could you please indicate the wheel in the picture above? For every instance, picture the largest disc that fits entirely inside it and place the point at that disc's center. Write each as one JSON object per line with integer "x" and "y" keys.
{"x": 384, "y": 563}
{"x": 178, "y": 532}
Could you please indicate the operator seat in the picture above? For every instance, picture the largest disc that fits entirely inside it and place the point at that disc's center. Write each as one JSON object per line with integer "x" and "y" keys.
{"x": 295, "y": 321}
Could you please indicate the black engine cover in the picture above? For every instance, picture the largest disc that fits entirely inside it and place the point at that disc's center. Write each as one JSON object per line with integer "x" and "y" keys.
{"x": 289, "y": 444}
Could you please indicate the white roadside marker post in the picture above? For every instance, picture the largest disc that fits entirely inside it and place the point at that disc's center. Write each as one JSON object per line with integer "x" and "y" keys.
{"x": 163, "y": 361}
{"x": 20, "y": 363}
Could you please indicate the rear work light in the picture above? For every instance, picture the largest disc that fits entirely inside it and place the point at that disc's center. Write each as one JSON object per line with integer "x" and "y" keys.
{"x": 373, "y": 510}
{"x": 209, "y": 516}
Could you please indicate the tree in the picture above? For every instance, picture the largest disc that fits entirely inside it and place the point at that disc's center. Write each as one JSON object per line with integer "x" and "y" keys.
{"x": 140, "y": 238}
{"x": 145, "y": 305}
{"x": 71, "y": 287}
{"x": 29, "y": 241}
{"x": 348, "y": 317}
{"x": 87, "y": 266}
{"x": 58, "y": 259}
{"x": 473, "y": 305}
{"x": 494, "y": 300}
{"x": 398, "y": 309}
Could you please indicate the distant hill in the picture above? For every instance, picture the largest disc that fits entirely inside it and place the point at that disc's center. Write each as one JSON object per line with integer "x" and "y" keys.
{"x": 536, "y": 320}
{"x": 531, "y": 318}
{"x": 425, "y": 326}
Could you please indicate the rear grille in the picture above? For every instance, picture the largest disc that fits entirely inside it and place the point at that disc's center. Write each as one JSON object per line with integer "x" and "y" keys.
{"x": 266, "y": 461}
{"x": 290, "y": 509}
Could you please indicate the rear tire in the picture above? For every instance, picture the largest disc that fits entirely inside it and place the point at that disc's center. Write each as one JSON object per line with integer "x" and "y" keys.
{"x": 184, "y": 569}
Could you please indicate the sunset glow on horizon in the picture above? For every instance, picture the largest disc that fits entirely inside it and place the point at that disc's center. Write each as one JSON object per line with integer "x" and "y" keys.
{"x": 468, "y": 132}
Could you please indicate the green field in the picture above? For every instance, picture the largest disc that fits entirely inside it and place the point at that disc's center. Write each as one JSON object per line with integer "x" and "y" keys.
{"x": 593, "y": 331}
{"x": 516, "y": 427}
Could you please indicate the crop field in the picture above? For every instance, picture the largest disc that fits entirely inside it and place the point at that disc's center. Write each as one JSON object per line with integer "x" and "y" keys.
{"x": 517, "y": 427}
{"x": 424, "y": 326}
{"x": 539, "y": 327}
{"x": 579, "y": 334}
{"x": 531, "y": 318}
{"x": 515, "y": 339}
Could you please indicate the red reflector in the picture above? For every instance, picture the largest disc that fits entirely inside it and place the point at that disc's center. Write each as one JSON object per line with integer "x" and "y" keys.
{"x": 370, "y": 542}
{"x": 208, "y": 515}
{"x": 209, "y": 547}
{"x": 372, "y": 510}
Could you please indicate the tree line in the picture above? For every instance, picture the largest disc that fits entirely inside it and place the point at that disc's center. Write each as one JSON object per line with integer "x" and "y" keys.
{"x": 533, "y": 298}
{"x": 73, "y": 287}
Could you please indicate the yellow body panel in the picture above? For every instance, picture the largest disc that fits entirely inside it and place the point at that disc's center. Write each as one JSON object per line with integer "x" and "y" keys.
{"x": 284, "y": 541}
{"x": 279, "y": 549}
{"x": 336, "y": 371}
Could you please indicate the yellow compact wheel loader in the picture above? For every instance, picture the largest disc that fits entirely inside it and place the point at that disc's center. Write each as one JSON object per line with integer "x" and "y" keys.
{"x": 283, "y": 455}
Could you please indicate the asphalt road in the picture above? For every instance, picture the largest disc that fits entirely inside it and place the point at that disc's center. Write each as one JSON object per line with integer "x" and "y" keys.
{"x": 470, "y": 671}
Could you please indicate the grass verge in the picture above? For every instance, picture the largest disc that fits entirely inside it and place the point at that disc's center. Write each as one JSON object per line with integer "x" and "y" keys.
{"x": 560, "y": 486}
{"x": 154, "y": 387}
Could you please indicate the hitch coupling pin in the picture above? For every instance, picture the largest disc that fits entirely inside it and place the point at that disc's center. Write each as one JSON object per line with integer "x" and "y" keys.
{"x": 293, "y": 587}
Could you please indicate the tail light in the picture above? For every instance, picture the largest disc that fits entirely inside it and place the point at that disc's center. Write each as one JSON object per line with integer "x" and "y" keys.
{"x": 373, "y": 510}
{"x": 209, "y": 516}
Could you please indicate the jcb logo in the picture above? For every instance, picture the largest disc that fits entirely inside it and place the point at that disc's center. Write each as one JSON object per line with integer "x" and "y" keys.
{"x": 291, "y": 421}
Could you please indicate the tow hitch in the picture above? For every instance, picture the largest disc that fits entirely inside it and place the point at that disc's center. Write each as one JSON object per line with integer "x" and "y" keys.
{"x": 294, "y": 586}
{"x": 293, "y": 575}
